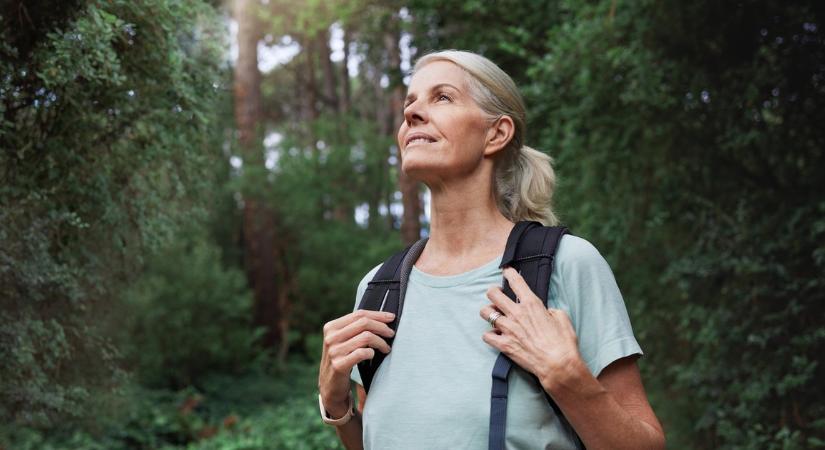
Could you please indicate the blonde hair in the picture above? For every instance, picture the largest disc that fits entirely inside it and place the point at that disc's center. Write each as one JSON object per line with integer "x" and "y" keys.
{"x": 524, "y": 179}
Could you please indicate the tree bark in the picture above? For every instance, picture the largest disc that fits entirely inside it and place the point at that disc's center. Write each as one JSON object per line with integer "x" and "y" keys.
{"x": 410, "y": 198}
{"x": 258, "y": 219}
{"x": 247, "y": 82}
{"x": 330, "y": 89}
{"x": 384, "y": 124}
{"x": 310, "y": 81}
{"x": 345, "y": 99}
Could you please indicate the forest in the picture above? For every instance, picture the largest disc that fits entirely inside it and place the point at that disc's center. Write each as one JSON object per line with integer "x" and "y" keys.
{"x": 190, "y": 189}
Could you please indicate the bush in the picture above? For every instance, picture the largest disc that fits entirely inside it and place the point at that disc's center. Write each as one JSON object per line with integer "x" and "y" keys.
{"x": 190, "y": 316}
{"x": 260, "y": 409}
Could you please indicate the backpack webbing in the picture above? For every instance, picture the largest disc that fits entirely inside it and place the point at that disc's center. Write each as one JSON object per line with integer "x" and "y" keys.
{"x": 531, "y": 250}
{"x": 386, "y": 293}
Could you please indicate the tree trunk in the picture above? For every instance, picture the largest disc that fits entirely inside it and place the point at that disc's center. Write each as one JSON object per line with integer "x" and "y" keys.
{"x": 345, "y": 99}
{"x": 410, "y": 198}
{"x": 341, "y": 211}
{"x": 384, "y": 125}
{"x": 324, "y": 52}
{"x": 311, "y": 84}
{"x": 258, "y": 219}
{"x": 247, "y": 83}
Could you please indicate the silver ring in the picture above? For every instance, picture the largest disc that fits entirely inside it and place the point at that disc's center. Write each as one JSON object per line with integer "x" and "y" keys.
{"x": 493, "y": 317}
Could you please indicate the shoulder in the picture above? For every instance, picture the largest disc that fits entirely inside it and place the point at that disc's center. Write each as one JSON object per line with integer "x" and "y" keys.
{"x": 369, "y": 275}
{"x": 582, "y": 278}
{"x": 362, "y": 285}
{"x": 577, "y": 253}
{"x": 583, "y": 285}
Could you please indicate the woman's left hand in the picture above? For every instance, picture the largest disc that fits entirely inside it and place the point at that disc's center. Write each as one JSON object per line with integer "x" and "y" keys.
{"x": 540, "y": 340}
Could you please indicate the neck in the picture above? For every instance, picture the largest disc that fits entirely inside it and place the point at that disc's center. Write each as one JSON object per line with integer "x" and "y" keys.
{"x": 466, "y": 225}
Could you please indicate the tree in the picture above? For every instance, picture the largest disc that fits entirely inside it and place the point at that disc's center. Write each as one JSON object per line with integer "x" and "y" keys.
{"x": 261, "y": 246}
{"x": 106, "y": 138}
{"x": 687, "y": 146}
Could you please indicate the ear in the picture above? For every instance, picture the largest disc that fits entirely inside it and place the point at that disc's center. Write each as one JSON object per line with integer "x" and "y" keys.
{"x": 499, "y": 135}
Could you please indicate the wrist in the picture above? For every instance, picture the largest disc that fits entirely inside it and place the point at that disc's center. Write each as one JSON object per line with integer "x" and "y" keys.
{"x": 336, "y": 405}
{"x": 335, "y": 414}
{"x": 563, "y": 374}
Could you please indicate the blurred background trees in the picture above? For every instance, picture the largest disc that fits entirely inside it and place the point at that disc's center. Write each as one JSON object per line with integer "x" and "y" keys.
{"x": 190, "y": 189}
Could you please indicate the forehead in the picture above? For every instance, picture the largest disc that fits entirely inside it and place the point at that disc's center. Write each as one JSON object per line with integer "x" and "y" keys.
{"x": 435, "y": 73}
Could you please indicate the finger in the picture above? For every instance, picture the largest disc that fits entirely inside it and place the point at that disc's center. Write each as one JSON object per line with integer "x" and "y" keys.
{"x": 485, "y": 312}
{"x": 343, "y": 321}
{"x": 519, "y": 286}
{"x": 365, "y": 323}
{"x": 345, "y": 363}
{"x": 363, "y": 339}
{"x": 503, "y": 323}
{"x": 495, "y": 340}
{"x": 501, "y": 301}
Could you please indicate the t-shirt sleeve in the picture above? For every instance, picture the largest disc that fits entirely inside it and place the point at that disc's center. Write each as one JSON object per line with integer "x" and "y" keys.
{"x": 362, "y": 286}
{"x": 583, "y": 285}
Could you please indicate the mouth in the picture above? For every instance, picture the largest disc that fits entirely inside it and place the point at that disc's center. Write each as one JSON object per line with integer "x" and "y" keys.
{"x": 418, "y": 139}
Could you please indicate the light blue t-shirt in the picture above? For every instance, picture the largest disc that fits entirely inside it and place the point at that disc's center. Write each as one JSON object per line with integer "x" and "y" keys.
{"x": 433, "y": 389}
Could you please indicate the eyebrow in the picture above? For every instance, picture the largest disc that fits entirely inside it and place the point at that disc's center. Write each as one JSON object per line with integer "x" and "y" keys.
{"x": 436, "y": 87}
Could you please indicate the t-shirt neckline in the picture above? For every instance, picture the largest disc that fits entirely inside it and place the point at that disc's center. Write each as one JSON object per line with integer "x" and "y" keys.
{"x": 457, "y": 279}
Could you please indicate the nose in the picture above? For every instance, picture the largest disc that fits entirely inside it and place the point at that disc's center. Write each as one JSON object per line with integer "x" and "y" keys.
{"x": 414, "y": 114}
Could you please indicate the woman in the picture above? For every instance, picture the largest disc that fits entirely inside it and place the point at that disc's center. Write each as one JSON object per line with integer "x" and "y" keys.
{"x": 462, "y": 136}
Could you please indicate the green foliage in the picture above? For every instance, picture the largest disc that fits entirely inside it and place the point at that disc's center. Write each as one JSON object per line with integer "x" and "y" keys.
{"x": 293, "y": 425}
{"x": 106, "y": 135}
{"x": 315, "y": 187}
{"x": 190, "y": 316}
{"x": 510, "y": 32}
{"x": 687, "y": 151}
{"x": 687, "y": 138}
{"x": 258, "y": 410}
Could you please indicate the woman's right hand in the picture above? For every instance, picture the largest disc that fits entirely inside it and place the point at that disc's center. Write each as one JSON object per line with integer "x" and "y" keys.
{"x": 349, "y": 340}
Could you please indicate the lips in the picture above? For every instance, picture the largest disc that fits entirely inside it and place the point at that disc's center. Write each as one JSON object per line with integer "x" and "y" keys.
{"x": 418, "y": 135}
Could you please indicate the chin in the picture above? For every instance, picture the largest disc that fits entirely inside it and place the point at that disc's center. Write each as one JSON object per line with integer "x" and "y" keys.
{"x": 419, "y": 169}
{"x": 415, "y": 170}
{"x": 428, "y": 165}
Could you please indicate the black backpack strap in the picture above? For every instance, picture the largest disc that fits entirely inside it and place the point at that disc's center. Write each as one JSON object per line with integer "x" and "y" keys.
{"x": 531, "y": 250}
{"x": 386, "y": 293}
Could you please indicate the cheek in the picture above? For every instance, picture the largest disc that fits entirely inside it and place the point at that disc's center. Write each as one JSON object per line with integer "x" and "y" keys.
{"x": 468, "y": 140}
{"x": 471, "y": 129}
{"x": 401, "y": 132}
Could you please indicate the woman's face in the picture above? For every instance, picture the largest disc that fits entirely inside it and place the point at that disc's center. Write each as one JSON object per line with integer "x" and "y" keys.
{"x": 439, "y": 105}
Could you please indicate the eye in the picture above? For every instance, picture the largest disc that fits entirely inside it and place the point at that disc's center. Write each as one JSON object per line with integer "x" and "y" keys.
{"x": 441, "y": 94}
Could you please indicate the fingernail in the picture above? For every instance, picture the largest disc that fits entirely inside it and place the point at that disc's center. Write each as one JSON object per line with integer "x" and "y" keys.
{"x": 390, "y": 315}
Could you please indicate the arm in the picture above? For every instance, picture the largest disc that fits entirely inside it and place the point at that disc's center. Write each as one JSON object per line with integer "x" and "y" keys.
{"x": 610, "y": 412}
{"x": 351, "y": 432}
{"x": 347, "y": 341}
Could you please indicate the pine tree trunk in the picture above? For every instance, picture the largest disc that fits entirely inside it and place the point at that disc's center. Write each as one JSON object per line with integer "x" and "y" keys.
{"x": 410, "y": 198}
{"x": 258, "y": 219}
{"x": 330, "y": 84}
{"x": 345, "y": 99}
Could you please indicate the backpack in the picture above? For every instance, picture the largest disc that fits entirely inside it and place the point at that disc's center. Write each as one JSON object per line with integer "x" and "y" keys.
{"x": 530, "y": 249}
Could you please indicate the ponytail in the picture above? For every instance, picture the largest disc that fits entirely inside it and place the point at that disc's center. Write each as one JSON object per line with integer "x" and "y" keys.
{"x": 524, "y": 186}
